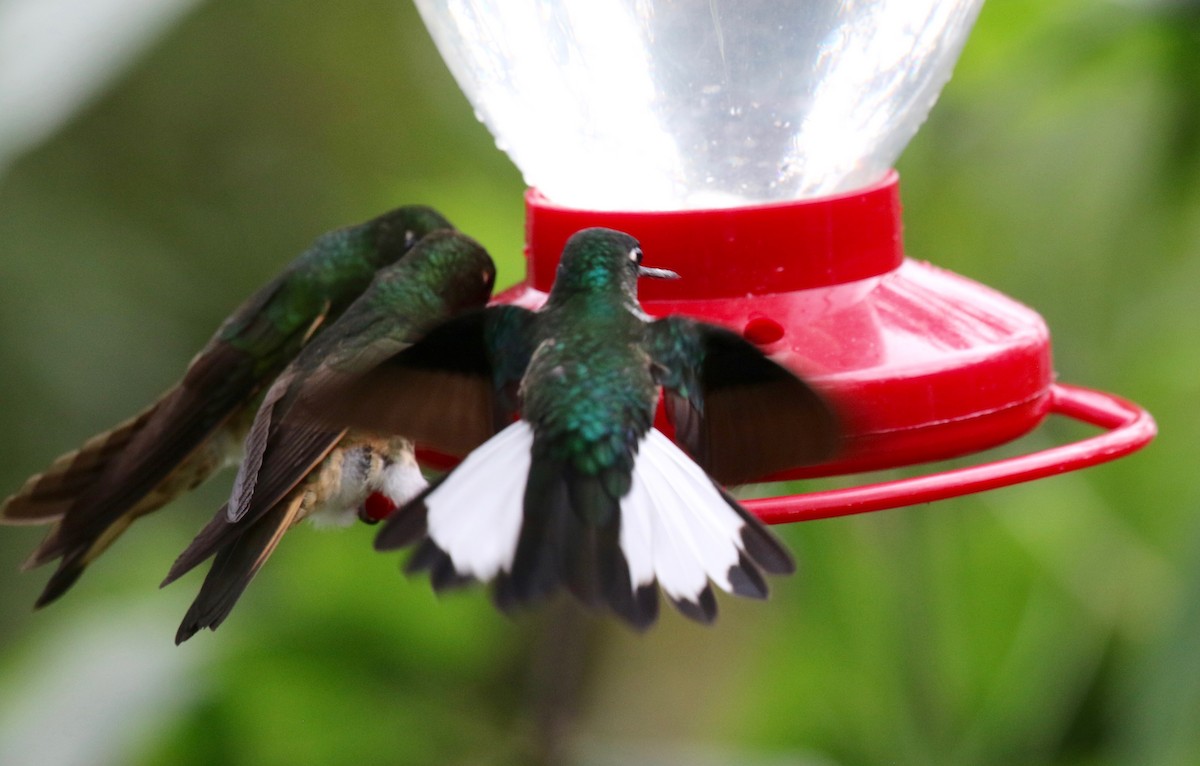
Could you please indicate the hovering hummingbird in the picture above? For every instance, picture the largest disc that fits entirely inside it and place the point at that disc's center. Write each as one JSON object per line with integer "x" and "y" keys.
{"x": 582, "y": 491}
{"x": 297, "y": 468}
{"x": 93, "y": 494}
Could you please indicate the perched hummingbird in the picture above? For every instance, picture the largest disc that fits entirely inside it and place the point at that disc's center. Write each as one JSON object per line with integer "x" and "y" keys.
{"x": 582, "y": 491}
{"x": 93, "y": 494}
{"x": 295, "y": 467}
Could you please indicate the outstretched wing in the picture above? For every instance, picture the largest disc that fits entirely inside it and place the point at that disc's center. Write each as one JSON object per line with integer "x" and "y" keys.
{"x": 740, "y": 415}
{"x": 452, "y": 390}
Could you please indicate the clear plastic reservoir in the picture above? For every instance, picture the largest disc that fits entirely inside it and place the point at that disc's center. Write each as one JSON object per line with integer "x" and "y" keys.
{"x": 678, "y": 104}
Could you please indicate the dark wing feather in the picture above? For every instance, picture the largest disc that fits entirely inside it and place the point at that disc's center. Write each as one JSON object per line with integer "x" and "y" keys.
{"x": 256, "y": 445}
{"x": 451, "y": 390}
{"x": 295, "y": 450}
{"x": 510, "y": 338}
{"x": 741, "y": 415}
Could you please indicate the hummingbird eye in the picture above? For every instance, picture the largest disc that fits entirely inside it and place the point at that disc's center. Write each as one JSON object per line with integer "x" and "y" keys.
{"x": 635, "y": 256}
{"x": 410, "y": 238}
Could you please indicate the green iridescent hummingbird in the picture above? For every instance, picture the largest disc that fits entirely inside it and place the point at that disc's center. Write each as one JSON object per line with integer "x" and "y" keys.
{"x": 299, "y": 467}
{"x": 582, "y": 491}
{"x": 93, "y": 494}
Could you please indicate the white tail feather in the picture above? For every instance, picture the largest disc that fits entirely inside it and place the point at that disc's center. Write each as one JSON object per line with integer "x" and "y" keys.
{"x": 475, "y": 513}
{"x": 637, "y": 533}
{"x": 675, "y": 525}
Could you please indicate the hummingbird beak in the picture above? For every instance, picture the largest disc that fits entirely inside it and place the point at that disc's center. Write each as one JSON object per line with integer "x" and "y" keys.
{"x": 646, "y": 271}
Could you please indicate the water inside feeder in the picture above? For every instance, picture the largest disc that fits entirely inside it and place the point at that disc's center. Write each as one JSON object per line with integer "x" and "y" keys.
{"x": 684, "y": 104}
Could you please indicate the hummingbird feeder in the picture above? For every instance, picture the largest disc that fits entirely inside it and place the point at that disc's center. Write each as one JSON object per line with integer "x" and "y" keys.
{"x": 748, "y": 145}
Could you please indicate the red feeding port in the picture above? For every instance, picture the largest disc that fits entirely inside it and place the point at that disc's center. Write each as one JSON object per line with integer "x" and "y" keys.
{"x": 377, "y": 507}
{"x": 921, "y": 364}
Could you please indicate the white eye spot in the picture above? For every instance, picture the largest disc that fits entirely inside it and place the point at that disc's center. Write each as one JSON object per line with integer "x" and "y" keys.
{"x": 410, "y": 237}
{"x": 635, "y": 255}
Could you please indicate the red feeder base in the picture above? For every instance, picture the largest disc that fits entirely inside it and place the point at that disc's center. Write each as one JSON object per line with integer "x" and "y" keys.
{"x": 920, "y": 363}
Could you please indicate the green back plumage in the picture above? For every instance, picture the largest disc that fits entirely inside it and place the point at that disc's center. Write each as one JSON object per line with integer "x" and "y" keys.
{"x": 588, "y": 389}
{"x": 322, "y": 282}
{"x": 448, "y": 273}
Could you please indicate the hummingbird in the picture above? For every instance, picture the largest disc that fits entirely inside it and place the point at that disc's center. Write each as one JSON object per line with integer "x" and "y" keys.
{"x": 298, "y": 468}
{"x": 93, "y": 494}
{"x": 581, "y": 491}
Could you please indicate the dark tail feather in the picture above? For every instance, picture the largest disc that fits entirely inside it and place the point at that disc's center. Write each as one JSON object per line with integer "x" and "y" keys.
{"x": 425, "y": 558}
{"x": 68, "y": 572}
{"x": 587, "y": 560}
{"x": 432, "y": 559}
{"x": 760, "y": 544}
{"x": 48, "y": 549}
{"x": 746, "y": 580}
{"x": 407, "y": 524}
{"x": 702, "y": 610}
{"x": 218, "y": 532}
{"x": 75, "y": 559}
{"x": 570, "y": 536}
{"x": 234, "y": 567}
{"x": 638, "y": 607}
{"x": 538, "y": 566}
{"x": 46, "y": 496}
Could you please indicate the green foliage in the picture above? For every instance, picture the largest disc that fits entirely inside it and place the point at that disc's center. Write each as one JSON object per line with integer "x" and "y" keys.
{"x": 1055, "y": 623}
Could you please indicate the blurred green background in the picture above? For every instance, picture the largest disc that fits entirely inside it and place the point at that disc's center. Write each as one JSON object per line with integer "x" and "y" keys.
{"x": 1053, "y": 623}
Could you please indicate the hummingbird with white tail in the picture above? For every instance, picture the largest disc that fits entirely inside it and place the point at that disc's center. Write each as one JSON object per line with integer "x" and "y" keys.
{"x": 581, "y": 491}
{"x": 298, "y": 468}
{"x": 93, "y": 494}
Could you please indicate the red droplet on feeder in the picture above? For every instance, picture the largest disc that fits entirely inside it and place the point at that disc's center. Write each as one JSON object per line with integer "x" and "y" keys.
{"x": 377, "y": 507}
{"x": 762, "y": 331}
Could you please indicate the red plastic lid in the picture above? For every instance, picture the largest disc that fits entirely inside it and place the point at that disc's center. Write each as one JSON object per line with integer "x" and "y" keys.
{"x": 734, "y": 252}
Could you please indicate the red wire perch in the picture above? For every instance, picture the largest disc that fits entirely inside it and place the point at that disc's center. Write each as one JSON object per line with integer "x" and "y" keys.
{"x": 1129, "y": 429}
